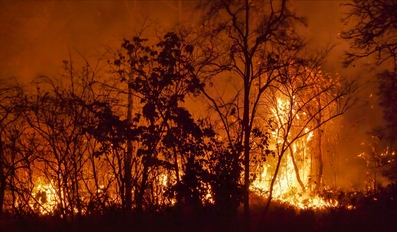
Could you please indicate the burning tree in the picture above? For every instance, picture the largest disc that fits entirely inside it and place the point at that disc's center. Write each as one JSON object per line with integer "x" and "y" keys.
{"x": 65, "y": 178}
{"x": 296, "y": 110}
{"x": 271, "y": 83}
{"x": 248, "y": 41}
{"x": 57, "y": 146}
{"x": 268, "y": 98}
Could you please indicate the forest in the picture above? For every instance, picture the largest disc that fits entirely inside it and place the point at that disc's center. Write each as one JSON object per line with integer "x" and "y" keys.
{"x": 226, "y": 125}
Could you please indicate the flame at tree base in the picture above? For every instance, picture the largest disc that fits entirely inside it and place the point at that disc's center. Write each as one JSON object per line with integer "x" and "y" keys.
{"x": 287, "y": 189}
{"x": 294, "y": 165}
{"x": 298, "y": 200}
{"x": 294, "y": 186}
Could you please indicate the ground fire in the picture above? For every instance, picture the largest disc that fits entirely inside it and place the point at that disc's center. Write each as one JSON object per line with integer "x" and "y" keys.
{"x": 294, "y": 185}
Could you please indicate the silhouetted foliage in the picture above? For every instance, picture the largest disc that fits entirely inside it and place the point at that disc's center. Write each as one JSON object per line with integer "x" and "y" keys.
{"x": 83, "y": 152}
{"x": 167, "y": 134}
{"x": 247, "y": 41}
{"x": 256, "y": 59}
{"x": 13, "y": 161}
{"x": 387, "y": 99}
{"x": 373, "y": 32}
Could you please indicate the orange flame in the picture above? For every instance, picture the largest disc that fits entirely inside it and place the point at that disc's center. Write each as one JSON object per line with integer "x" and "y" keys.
{"x": 286, "y": 187}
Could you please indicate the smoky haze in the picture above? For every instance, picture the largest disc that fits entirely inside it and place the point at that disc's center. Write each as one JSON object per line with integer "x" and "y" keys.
{"x": 38, "y": 35}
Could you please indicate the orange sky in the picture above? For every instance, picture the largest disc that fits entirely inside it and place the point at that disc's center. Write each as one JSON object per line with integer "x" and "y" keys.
{"x": 36, "y": 36}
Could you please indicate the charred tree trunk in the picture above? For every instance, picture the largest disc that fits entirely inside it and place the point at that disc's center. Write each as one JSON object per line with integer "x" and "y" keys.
{"x": 128, "y": 160}
{"x": 178, "y": 181}
{"x": 272, "y": 184}
{"x": 246, "y": 156}
{"x": 145, "y": 176}
{"x": 246, "y": 119}
{"x": 76, "y": 186}
{"x": 319, "y": 175}
{"x": 298, "y": 178}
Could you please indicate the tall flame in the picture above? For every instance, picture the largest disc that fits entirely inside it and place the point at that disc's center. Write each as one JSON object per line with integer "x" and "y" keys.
{"x": 287, "y": 187}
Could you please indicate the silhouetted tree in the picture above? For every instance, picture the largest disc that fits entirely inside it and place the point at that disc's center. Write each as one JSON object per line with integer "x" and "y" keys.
{"x": 301, "y": 105}
{"x": 163, "y": 130}
{"x": 57, "y": 115}
{"x": 373, "y": 32}
{"x": 387, "y": 99}
{"x": 12, "y": 159}
{"x": 373, "y": 35}
{"x": 251, "y": 40}
{"x": 387, "y": 133}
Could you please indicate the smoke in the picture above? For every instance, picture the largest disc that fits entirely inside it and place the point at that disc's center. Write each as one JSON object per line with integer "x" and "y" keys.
{"x": 342, "y": 166}
{"x": 38, "y": 35}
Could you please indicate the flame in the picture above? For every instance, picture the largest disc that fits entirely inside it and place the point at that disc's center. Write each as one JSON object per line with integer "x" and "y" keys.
{"x": 165, "y": 180}
{"x": 45, "y": 197}
{"x": 287, "y": 187}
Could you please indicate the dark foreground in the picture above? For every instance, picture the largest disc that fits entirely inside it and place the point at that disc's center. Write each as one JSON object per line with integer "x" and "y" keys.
{"x": 369, "y": 213}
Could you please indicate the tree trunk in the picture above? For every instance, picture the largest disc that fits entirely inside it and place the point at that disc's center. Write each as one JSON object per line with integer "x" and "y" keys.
{"x": 77, "y": 193}
{"x": 178, "y": 181}
{"x": 298, "y": 178}
{"x": 145, "y": 175}
{"x": 246, "y": 119}
{"x": 272, "y": 184}
{"x": 319, "y": 175}
{"x": 128, "y": 160}
{"x": 246, "y": 159}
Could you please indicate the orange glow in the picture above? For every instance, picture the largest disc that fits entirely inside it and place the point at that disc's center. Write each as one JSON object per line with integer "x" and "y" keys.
{"x": 45, "y": 197}
{"x": 287, "y": 187}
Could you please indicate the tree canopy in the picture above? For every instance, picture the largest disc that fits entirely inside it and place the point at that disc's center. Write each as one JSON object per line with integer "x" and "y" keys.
{"x": 373, "y": 31}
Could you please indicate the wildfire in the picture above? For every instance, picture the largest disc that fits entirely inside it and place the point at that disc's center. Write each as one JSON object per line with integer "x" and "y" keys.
{"x": 45, "y": 197}
{"x": 294, "y": 182}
